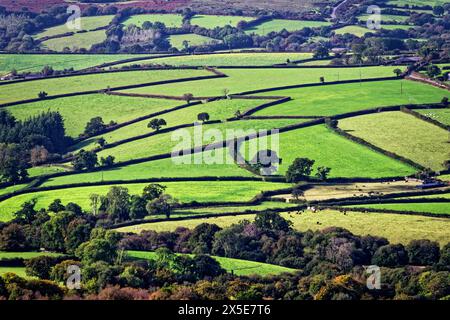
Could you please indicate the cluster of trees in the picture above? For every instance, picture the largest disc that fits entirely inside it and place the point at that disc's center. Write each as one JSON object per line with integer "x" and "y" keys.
{"x": 301, "y": 169}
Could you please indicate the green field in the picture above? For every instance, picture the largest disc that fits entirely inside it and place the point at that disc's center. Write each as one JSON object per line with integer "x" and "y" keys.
{"x": 229, "y": 59}
{"x": 236, "y": 266}
{"x": 420, "y": 3}
{"x": 238, "y": 209}
{"x": 343, "y": 98}
{"x": 177, "y": 40}
{"x": 78, "y": 110}
{"x": 87, "y": 23}
{"x": 361, "y": 31}
{"x": 441, "y": 115}
{"x": 26, "y": 255}
{"x": 402, "y": 134}
{"x": 277, "y": 25}
{"x": 384, "y": 18}
{"x": 20, "y": 271}
{"x": 170, "y": 20}
{"x": 12, "y": 188}
{"x": 41, "y": 170}
{"x": 83, "y": 40}
{"x": 184, "y": 191}
{"x": 240, "y": 80}
{"x": 213, "y": 21}
{"x": 438, "y": 207}
{"x": 30, "y": 90}
{"x": 396, "y": 228}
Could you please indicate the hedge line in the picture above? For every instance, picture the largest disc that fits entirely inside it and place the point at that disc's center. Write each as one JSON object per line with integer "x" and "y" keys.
{"x": 265, "y": 105}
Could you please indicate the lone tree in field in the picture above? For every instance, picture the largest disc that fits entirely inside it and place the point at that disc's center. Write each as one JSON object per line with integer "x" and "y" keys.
{"x": 156, "y": 124}
{"x": 153, "y": 191}
{"x": 297, "y": 192}
{"x": 188, "y": 97}
{"x": 322, "y": 173}
{"x": 101, "y": 142}
{"x": 107, "y": 162}
{"x": 94, "y": 126}
{"x": 226, "y": 92}
{"x": 85, "y": 160}
{"x": 299, "y": 170}
{"x": 42, "y": 95}
{"x": 322, "y": 79}
{"x": 397, "y": 72}
{"x": 204, "y": 116}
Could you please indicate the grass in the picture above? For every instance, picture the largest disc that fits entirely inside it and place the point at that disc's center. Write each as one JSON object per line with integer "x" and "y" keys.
{"x": 78, "y": 110}
{"x": 83, "y": 40}
{"x": 402, "y": 134}
{"x": 169, "y": 20}
{"x": 26, "y": 255}
{"x": 343, "y": 98}
{"x": 229, "y": 59}
{"x": 238, "y": 209}
{"x": 35, "y": 62}
{"x": 344, "y": 157}
{"x": 441, "y": 115}
{"x": 240, "y": 80}
{"x": 419, "y": 3}
{"x": 236, "y": 266}
{"x": 361, "y": 31}
{"x": 30, "y": 90}
{"x": 438, "y": 207}
{"x": 184, "y": 191}
{"x": 177, "y": 40}
{"x": 213, "y": 21}
{"x": 38, "y": 171}
{"x": 396, "y": 228}
{"x": 87, "y": 23}
{"x": 20, "y": 271}
{"x": 277, "y": 25}
{"x": 384, "y": 18}
{"x": 12, "y": 188}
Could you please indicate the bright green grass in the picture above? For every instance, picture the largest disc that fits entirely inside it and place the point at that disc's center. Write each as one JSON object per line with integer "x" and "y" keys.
{"x": 236, "y": 266}
{"x": 343, "y": 98}
{"x": 355, "y": 30}
{"x": 396, "y": 228}
{"x": 229, "y": 59}
{"x": 402, "y": 134}
{"x": 217, "y": 110}
{"x": 344, "y": 157}
{"x": 420, "y": 3}
{"x": 445, "y": 177}
{"x": 441, "y": 115}
{"x": 184, "y": 138}
{"x": 213, "y": 21}
{"x": 438, "y": 207}
{"x": 240, "y": 80}
{"x": 432, "y": 196}
{"x": 316, "y": 63}
{"x": 277, "y": 25}
{"x": 35, "y": 62}
{"x": 12, "y": 188}
{"x": 38, "y": 171}
{"x": 20, "y": 271}
{"x": 26, "y": 255}
{"x": 170, "y": 20}
{"x": 385, "y": 17}
{"x": 30, "y": 90}
{"x": 177, "y": 40}
{"x": 263, "y": 206}
{"x": 83, "y": 40}
{"x": 87, "y": 23}
{"x": 78, "y": 110}
{"x": 184, "y": 191}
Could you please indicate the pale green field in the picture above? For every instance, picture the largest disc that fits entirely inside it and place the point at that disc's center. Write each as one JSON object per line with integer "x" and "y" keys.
{"x": 26, "y": 255}
{"x": 343, "y": 98}
{"x": 263, "y": 206}
{"x": 402, "y": 134}
{"x": 385, "y": 17}
{"x": 170, "y": 20}
{"x": 184, "y": 191}
{"x": 277, "y": 25}
{"x": 361, "y": 31}
{"x": 402, "y": 3}
{"x": 441, "y": 115}
{"x": 177, "y": 40}
{"x": 395, "y": 227}
{"x": 213, "y": 21}
{"x": 12, "y": 188}
{"x": 41, "y": 170}
{"x": 83, "y": 40}
{"x": 438, "y": 207}
{"x": 20, "y": 271}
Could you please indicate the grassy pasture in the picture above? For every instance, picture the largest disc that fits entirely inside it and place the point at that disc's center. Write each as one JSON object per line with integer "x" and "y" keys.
{"x": 361, "y": 31}
{"x": 184, "y": 191}
{"x": 170, "y": 20}
{"x": 385, "y": 17}
{"x": 41, "y": 170}
{"x": 240, "y": 80}
{"x": 20, "y": 271}
{"x": 87, "y": 23}
{"x": 229, "y": 59}
{"x": 26, "y": 255}
{"x": 438, "y": 207}
{"x": 343, "y": 98}
{"x": 213, "y": 21}
{"x": 236, "y": 266}
{"x": 344, "y": 157}
{"x": 395, "y": 227}
{"x": 78, "y": 110}
{"x": 238, "y": 209}
{"x": 12, "y": 188}
{"x": 77, "y": 41}
{"x": 420, "y": 3}
{"x": 177, "y": 40}
{"x": 402, "y": 134}
{"x": 277, "y": 25}
{"x": 441, "y": 115}
{"x": 30, "y": 90}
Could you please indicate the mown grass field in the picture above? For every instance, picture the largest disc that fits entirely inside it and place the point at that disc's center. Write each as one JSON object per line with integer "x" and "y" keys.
{"x": 277, "y": 25}
{"x": 20, "y": 271}
{"x": 12, "y": 188}
{"x": 183, "y": 191}
{"x": 236, "y": 266}
{"x": 177, "y": 40}
{"x": 78, "y": 110}
{"x": 26, "y": 255}
{"x": 240, "y": 80}
{"x": 87, "y": 23}
{"x": 396, "y": 228}
{"x": 30, "y": 90}
{"x": 419, "y": 3}
{"x": 169, "y": 20}
{"x": 438, "y": 207}
{"x": 441, "y": 115}
{"x": 343, "y": 98}
{"x": 83, "y": 40}
{"x": 229, "y": 59}
{"x": 361, "y": 31}
{"x": 213, "y": 21}
{"x": 402, "y": 134}
{"x": 385, "y": 18}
